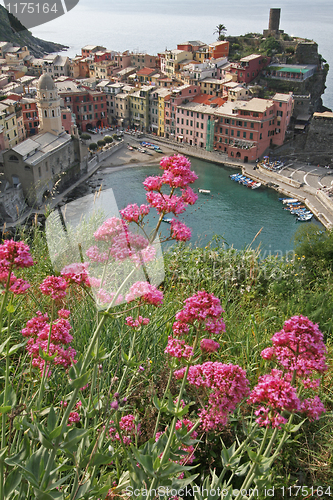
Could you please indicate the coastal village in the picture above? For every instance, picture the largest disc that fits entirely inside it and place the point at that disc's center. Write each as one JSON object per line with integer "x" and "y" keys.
{"x": 192, "y": 97}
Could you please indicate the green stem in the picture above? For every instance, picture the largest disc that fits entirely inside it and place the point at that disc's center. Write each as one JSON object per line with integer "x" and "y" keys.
{"x": 173, "y": 423}
{"x": 4, "y": 415}
{"x": 161, "y": 404}
{"x": 46, "y": 366}
{"x": 249, "y": 477}
{"x": 75, "y": 392}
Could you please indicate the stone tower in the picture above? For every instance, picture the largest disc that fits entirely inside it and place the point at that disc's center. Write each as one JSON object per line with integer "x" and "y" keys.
{"x": 48, "y": 104}
{"x": 274, "y": 20}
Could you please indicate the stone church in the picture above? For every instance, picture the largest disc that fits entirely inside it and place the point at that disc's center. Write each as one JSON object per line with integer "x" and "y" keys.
{"x": 49, "y": 161}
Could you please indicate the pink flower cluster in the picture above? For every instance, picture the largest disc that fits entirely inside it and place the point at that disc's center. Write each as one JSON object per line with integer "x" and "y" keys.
{"x": 128, "y": 427}
{"x": 13, "y": 255}
{"x": 134, "y": 213}
{"x": 228, "y": 385}
{"x": 16, "y": 254}
{"x": 178, "y": 349}
{"x": 180, "y": 231}
{"x": 203, "y": 307}
{"x": 73, "y": 418}
{"x": 76, "y": 273}
{"x": 54, "y": 287}
{"x": 148, "y": 293}
{"x": 298, "y": 346}
{"x": 38, "y": 330}
{"x": 275, "y": 391}
{"x": 136, "y": 323}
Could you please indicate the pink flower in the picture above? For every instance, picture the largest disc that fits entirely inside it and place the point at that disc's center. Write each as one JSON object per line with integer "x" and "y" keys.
{"x": 202, "y": 307}
{"x": 133, "y": 213}
{"x": 209, "y": 345}
{"x": 277, "y": 393}
{"x": 180, "y": 328}
{"x": 73, "y": 417}
{"x": 313, "y": 408}
{"x": 137, "y": 322}
{"x": 299, "y": 346}
{"x": 148, "y": 293}
{"x": 109, "y": 229}
{"x": 128, "y": 427}
{"x": 189, "y": 196}
{"x": 19, "y": 286}
{"x": 166, "y": 204}
{"x": 54, "y": 286}
{"x": 16, "y": 253}
{"x": 153, "y": 183}
{"x": 180, "y": 231}
{"x": 76, "y": 273}
{"x": 95, "y": 255}
{"x": 178, "y": 349}
{"x": 228, "y": 384}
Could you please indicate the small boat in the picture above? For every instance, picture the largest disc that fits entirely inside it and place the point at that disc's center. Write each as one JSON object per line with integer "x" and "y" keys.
{"x": 167, "y": 220}
{"x": 304, "y": 218}
{"x": 289, "y": 200}
{"x": 204, "y": 191}
{"x": 256, "y": 185}
{"x": 141, "y": 150}
{"x": 130, "y": 148}
{"x": 158, "y": 150}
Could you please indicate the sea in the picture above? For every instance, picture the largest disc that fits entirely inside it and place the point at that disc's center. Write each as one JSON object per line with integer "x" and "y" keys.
{"x": 152, "y": 26}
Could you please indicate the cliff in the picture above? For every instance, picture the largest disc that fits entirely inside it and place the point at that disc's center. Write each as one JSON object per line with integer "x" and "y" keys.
{"x": 11, "y": 30}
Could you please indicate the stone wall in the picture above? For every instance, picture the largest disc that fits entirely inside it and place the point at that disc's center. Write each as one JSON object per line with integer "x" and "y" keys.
{"x": 320, "y": 135}
{"x": 12, "y": 204}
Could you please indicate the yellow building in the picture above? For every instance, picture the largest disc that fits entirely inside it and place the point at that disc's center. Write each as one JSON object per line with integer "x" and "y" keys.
{"x": 8, "y": 120}
{"x": 139, "y": 108}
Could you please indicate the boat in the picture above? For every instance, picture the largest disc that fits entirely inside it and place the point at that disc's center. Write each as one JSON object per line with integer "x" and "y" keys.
{"x": 289, "y": 200}
{"x": 167, "y": 219}
{"x": 130, "y": 148}
{"x": 256, "y": 185}
{"x": 204, "y": 191}
{"x": 304, "y": 218}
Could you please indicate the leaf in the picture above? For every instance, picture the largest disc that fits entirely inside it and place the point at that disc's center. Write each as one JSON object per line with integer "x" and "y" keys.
{"x": 51, "y": 420}
{"x": 80, "y": 382}
{"x": 16, "y": 347}
{"x": 145, "y": 460}
{"x": 10, "y": 308}
{"x": 42, "y": 495}
{"x": 82, "y": 490}
{"x": 3, "y": 345}
{"x": 5, "y": 409}
{"x": 12, "y": 481}
{"x": 55, "y": 433}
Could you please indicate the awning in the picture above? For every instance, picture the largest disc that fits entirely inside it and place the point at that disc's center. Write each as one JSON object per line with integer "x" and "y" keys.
{"x": 180, "y": 137}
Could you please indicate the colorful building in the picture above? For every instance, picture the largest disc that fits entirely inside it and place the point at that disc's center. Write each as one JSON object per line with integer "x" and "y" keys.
{"x": 248, "y": 68}
{"x": 246, "y": 129}
{"x": 179, "y": 95}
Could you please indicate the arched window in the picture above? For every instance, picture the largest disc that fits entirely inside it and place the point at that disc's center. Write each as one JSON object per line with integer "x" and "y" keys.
{"x": 44, "y": 96}
{"x": 50, "y": 95}
{"x": 45, "y": 113}
{"x": 52, "y": 112}
{"x": 13, "y": 158}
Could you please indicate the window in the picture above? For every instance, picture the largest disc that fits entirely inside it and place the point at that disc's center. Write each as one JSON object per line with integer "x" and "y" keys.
{"x": 64, "y": 117}
{"x": 238, "y": 133}
{"x": 39, "y": 171}
{"x": 13, "y": 158}
{"x": 251, "y": 135}
{"x": 244, "y": 135}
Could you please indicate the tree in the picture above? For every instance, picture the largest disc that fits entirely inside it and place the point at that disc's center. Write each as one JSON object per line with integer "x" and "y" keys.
{"x": 101, "y": 142}
{"x": 108, "y": 139}
{"x": 93, "y": 146}
{"x": 221, "y": 31}
{"x": 85, "y": 137}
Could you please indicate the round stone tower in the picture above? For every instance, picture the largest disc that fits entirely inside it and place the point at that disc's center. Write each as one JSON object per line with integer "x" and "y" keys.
{"x": 274, "y": 20}
{"x": 48, "y": 104}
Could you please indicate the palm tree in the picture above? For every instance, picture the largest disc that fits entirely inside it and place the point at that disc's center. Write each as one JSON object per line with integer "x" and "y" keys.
{"x": 220, "y": 30}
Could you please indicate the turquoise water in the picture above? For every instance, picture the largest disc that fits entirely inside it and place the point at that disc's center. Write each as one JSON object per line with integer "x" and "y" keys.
{"x": 232, "y": 211}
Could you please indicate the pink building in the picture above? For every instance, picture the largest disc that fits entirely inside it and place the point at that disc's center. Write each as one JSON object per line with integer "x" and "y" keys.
{"x": 248, "y": 68}
{"x": 246, "y": 129}
{"x": 177, "y": 97}
{"x": 67, "y": 120}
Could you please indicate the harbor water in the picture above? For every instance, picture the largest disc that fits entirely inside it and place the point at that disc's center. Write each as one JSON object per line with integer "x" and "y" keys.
{"x": 232, "y": 211}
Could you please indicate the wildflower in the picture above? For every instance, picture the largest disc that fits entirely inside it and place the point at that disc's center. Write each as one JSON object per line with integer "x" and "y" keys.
{"x": 209, "y": 345}
{"x": 277, "y": 393}
{"x": 180, "y": 231}
{"x": 148, "y": 293}
{"x": 16, "y": 254}
{"x": 137, "y": 322}
{"x": 19, "y": 287}
{"x": 54, "y": 286}
{"x": 76, "y": 273}
{"x": 134, "y": 213}
{"x": 128, "y": 427}
{"x": 178, "y": 349}
{"x": 313, "y": 408}
{"x": 298, "y": 346}
{"x": 228, "y": 384}
{"x": 73, "y": 417}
